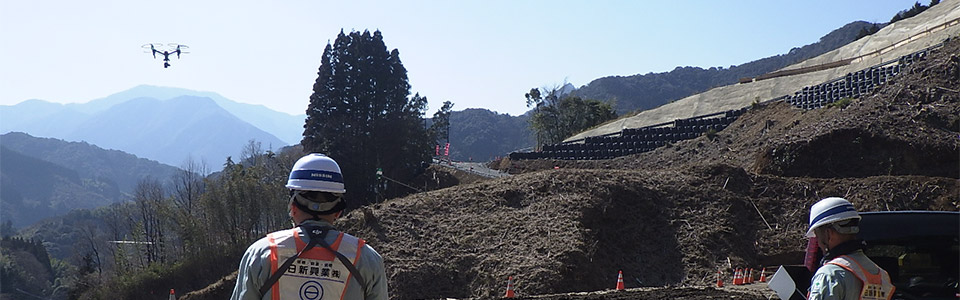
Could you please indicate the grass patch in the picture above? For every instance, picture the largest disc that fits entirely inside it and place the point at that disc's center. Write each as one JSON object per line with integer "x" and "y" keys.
{"x": 842, "y": 103}
{"x": 711, "y": 133}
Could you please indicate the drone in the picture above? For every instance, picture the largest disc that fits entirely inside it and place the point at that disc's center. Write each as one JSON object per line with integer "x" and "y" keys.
{"x": 178, "y": 49}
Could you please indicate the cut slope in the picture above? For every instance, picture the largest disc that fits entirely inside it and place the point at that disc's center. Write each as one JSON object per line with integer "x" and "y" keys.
{"x": 646, "y": 91}
{"x": 908, "y": 127}
{"x": 918, "y": 32}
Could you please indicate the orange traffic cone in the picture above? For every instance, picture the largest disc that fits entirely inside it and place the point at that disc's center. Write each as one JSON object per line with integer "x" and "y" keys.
{"x": 620, "y": 280}
{"x": 763, "y": 275}
{"x": 719, "y": 278}
{"x": 737, "y": 277}
{"x": 750, "y": 277}
{"x": 173, "y": 296}
{"x": 509, "y": 288}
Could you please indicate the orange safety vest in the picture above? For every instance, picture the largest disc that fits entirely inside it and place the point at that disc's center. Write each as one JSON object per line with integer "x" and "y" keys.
{"x": 317, "y": 274}
{"x": 875, "y": 286}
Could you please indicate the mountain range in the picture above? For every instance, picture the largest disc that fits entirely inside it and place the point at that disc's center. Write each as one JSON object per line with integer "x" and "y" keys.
{"x": 641, "y": 92}
{"x": 54, "y": 156}
{"x": 173, "y": 125}
{"x": 169, "y": 125}
{"x": 485, "y": 135}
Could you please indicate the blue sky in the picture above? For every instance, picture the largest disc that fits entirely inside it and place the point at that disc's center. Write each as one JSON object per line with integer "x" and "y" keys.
{"x": 477, "y": 54}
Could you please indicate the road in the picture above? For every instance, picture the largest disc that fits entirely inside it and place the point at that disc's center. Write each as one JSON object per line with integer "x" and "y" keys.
{"x": 473, "y": 167}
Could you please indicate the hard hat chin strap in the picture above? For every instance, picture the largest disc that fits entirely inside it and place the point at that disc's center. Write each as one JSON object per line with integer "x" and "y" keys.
{"x": 313, "y": 215}
{"x": 316, "y": 209}
{"x": 854, "y": 229}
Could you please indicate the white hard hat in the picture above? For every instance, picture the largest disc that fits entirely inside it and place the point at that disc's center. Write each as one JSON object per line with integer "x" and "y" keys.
{"x": 829, "y": 211}
{"x": 316, "y": 172}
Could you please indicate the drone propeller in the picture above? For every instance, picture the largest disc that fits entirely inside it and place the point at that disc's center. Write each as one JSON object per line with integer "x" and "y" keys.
{"x": 152, "y": 50}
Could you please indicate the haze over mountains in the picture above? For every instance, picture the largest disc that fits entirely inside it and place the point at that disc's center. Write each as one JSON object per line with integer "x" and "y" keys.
{"x": 170, "y": 125}
{"x": 173, "y": 125}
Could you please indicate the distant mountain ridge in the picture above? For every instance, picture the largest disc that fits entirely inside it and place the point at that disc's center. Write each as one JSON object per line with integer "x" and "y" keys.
{"x": 642, "y": 92}
{"x": 171, "y": 130}
{"x": 469, "y": 139}
{"x": 174, "y": 130}
{"x": 44, "y": 177}
{"x": 286, "y": 127}
{"x": 122, "y": 169}
{"x": 482, "y": 134}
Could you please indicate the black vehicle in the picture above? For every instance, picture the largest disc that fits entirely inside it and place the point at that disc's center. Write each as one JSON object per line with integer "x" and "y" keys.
{"x": 919, "y": 249}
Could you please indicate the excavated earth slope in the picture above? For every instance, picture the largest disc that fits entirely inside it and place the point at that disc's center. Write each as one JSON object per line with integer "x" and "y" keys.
{"x": 672, "y": 217}
{"x": 676, "y": 215}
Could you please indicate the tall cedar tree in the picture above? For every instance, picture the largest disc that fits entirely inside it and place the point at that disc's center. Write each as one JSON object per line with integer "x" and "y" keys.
{"x": 360, "y": 114}
{"x": 439, "y": 131}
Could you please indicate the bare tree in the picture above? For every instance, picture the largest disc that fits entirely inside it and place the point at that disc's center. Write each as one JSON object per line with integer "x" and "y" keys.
{"x": 92, "y": 240}
{"x": 149, "y": 199}
{"x": 188, "y": 187}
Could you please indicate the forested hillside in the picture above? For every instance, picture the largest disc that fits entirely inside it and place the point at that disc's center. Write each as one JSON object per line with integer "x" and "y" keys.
{"x": 44, "y": 177}
{"x": 642, "y": 92}
{"x": 122, "y": 168}
{"x": 25, "y": 268}
{"x": 156, "y": 240}
{"x": 482, "y": 135}
{"x": 34, "y": 189}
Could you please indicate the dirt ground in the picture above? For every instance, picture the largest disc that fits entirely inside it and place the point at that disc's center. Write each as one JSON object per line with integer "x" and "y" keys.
{"x": 676, "y": 215}
{"x": 657, "y": 293}
{"x": 671, "y": 218}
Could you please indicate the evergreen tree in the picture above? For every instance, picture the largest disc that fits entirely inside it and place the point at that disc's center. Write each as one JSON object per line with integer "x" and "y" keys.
{"x": 361, "y": 115}
{"x": 7, "y": 229}
{"x": 440, "y": 129}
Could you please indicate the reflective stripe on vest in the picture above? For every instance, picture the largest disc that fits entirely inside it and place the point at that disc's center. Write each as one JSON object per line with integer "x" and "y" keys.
{"x": 875, "y": 286}
{"x": 317, "y": 273}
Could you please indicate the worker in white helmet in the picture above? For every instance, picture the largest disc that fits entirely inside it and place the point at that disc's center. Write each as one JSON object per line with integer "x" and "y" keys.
{"x": 846, "y": 272}
{"x": 316, "y": 260}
